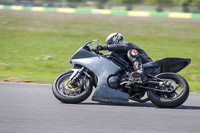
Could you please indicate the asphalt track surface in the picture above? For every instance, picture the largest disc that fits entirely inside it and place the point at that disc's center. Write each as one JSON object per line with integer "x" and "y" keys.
{"x": 32, "y": 108}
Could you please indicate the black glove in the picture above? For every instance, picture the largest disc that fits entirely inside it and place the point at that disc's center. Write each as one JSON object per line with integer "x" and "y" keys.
{"x": 99, "y": 47}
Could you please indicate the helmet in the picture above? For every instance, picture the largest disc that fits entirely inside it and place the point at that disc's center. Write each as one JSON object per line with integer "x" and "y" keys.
{"x": 115, "y": 38}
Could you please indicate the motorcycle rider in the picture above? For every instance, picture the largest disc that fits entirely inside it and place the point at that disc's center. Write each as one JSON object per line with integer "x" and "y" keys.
{"x": 127, "y": 50}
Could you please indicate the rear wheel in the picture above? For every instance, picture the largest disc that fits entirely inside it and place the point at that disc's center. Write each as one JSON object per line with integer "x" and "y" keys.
{"x": 179, "y": 91}
{"x": 67, "y": 92}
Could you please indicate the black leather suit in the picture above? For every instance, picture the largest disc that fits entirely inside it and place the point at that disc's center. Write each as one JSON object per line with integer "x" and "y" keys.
{"x": 122, "y": 50}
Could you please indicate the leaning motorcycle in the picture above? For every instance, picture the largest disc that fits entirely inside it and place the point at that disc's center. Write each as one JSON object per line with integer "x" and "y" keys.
{"x": 116, "y": 82}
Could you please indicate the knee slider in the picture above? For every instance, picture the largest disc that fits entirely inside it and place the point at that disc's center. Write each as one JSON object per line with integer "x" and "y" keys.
{"x": 134, "y": 52}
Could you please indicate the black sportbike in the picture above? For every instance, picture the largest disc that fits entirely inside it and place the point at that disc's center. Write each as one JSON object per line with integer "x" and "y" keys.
{"x": 116, "y": 82}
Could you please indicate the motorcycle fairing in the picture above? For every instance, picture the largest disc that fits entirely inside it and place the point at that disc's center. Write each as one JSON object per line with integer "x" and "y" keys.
{"x": 103, "y": 68}
{"x": 169, "y": 64}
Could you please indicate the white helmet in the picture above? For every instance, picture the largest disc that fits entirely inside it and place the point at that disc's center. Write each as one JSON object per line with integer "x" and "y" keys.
{"x": 115, "y": 38}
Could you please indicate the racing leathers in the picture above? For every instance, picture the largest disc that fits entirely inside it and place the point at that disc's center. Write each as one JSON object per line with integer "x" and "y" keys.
{"x": 129, "y": 51}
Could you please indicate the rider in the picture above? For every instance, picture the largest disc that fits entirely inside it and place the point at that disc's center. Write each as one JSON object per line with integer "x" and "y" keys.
{"x": 116, "y": 43}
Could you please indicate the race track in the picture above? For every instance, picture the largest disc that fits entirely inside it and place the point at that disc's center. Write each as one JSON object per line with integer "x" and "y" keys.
{"x": 32, "y": 108}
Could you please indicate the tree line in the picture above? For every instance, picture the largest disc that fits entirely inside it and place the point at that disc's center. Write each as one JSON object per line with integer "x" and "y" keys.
{"x": 185, "y": 4}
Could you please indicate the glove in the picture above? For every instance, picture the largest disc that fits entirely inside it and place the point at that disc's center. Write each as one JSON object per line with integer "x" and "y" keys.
{"x": 99, "y": 48}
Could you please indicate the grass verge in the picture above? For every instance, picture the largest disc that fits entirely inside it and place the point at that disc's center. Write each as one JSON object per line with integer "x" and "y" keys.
{"x": 37, "y": 46}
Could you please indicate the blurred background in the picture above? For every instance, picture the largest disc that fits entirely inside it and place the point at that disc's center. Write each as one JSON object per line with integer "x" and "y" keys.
{"x": 36, "y": 46}
{"x": 144, "y": 5}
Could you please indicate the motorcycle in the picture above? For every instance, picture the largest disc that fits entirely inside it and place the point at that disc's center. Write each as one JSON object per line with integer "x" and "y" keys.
{"x": 116, "y": 82}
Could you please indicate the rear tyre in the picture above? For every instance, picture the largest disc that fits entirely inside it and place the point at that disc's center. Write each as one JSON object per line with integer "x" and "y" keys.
{"x": 170, "y": 99}
{"x": 68, "y": 93}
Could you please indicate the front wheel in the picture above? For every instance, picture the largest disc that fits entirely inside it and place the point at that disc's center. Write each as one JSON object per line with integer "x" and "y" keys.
{"x": 172, "y": 99}
{"x": 67, "y": 92}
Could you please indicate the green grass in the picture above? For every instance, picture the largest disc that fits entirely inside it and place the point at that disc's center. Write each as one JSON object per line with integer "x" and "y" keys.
{"x": 26, "y": 38}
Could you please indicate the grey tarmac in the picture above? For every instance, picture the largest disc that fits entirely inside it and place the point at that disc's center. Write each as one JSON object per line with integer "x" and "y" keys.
{"x": 32, "y": 108}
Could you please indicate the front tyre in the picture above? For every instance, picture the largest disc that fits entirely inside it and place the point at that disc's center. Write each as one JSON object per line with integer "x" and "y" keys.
{"x": 66, "y": 92}
{"x": 172, "y": 99}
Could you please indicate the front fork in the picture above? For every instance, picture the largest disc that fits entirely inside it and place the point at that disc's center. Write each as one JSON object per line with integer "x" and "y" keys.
{"x": 76, "y": 74}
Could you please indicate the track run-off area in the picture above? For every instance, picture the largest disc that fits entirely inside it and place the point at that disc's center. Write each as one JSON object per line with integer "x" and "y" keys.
{"x": 32, "y": 108}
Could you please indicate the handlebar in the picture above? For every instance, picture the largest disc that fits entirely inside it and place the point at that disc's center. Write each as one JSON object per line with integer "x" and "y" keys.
{"x": 95, "y": 51}
{"x": 86, "y": 46}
